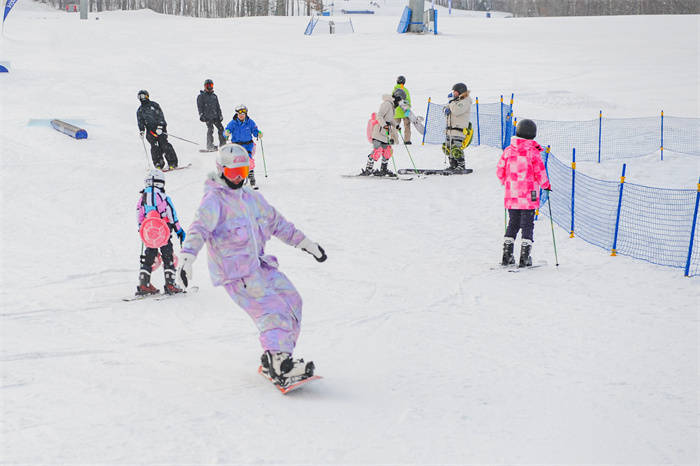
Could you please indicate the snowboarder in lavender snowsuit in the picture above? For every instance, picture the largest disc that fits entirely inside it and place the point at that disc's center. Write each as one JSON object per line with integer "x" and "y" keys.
{"x": 235, "y": 223}
{"x": 522, "y": 172}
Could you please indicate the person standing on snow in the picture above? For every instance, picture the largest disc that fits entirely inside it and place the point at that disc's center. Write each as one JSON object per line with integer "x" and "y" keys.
{"x": 151, "y": 121}
{"x": 241, "y": 129}
{"x": 400, "y": 113}
{"x": 458, "y": 113}
{"x": 210, "y": 113}
{"x": 235, "y": 223}
{"x": 153, "y": 198}
{"x": 384, "y": 134}
{"x": 521, "y": 171}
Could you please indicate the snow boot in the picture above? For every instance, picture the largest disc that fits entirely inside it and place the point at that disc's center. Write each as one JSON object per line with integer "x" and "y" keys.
{"x": 525, "y": 248}
{"x": 461, "y": 163}
{"x": 283, "y": 369}
{"x": 508, "y": 258}
{"x": 170, "y": 286}
{"x": 144, "y": 287}
{"x": 384, "y": 170}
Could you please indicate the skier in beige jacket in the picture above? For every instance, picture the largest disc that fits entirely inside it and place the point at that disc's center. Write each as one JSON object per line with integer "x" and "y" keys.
{"x": 458, "y": 113}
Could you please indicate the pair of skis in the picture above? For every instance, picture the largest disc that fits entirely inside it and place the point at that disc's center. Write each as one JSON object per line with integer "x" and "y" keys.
{"x": 514, "y": 268}
{"x": 161, "y": 296}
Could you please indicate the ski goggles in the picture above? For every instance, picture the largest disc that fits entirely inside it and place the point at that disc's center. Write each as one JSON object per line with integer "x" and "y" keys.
{"x": 208, "y": 86}
{"x": 233, "y": 174}
{"x": 242, "y": 110}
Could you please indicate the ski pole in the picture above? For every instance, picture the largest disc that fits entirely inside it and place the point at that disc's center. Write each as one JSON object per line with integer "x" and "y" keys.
{"x": 388, "y": 138}
{"x": 148, "y": 163}
{"x": 262, "y": 151}
{"x": 408, "y": 152}
{"x": 183, "y": 139}
{"x": 551, "y": 222}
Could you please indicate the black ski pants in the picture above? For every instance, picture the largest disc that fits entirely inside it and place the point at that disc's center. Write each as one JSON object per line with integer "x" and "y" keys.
{"x": 522, "y": 220}
{"x": 161, "y": 147}
{"x": 219, "y": 132}
{"x": 166, "y": 253}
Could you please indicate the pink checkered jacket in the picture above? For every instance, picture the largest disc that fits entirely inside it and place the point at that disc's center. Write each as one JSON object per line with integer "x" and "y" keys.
{"x": 522, "y": 172}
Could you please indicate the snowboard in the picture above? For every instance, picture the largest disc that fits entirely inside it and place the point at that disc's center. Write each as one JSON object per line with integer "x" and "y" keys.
{"x": 434, "y": 171}
{"x": 176, "y": 168}
{"x": 293, "y": 386}
{"x": 161, "y": 296}
{"x": 416, "y": 120}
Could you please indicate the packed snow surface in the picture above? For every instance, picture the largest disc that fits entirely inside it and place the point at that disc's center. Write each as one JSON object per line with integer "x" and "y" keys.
{"x": 429, "y": 354}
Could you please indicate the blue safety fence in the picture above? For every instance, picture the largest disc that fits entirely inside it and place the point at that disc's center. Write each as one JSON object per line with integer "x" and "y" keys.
{"x": 605, "y": 139}
{"x": 653, "y": 224}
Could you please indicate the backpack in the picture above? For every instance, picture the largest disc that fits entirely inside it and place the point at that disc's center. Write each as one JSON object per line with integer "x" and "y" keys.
{"x": 370, "y": 125}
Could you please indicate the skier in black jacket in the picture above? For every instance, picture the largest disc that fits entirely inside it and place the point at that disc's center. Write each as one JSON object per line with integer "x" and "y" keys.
{"x": 152, "y": 123}
{"x": 210, "y": 113}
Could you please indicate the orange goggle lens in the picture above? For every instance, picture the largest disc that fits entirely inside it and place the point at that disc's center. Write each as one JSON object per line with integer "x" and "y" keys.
{"x": 233, "y": 174}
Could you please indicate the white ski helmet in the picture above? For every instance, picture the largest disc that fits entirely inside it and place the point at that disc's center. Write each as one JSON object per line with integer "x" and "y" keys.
{"x": 154, "y": 177}
{"x": 232, "y": 161}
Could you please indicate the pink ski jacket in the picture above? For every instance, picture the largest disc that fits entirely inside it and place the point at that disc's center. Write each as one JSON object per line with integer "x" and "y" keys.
{"x": 235, "y": 224}
{"x": 522, "y": 172}
{"x": 155, "y": 199}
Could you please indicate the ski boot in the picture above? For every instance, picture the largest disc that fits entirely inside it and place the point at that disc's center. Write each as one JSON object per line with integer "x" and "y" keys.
{"x": 508, "y": 258}
{"x": 170, "y": 286}
{"x": 284, "y": 370}
{"x": 369, "y": 169}
{"x": 461, "y": 164}
{"x": 144, "y": 287}
{"x": 251, "y": 179}
{"x": 525, "y": 248}
{"x": 384, "y": 170}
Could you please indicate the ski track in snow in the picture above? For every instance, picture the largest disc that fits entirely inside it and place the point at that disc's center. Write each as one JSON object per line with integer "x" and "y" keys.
{"x": 428, "y": 355}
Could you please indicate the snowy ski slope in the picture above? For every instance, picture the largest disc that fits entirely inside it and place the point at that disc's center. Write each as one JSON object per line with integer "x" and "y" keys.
{"x": 428, "y": 355}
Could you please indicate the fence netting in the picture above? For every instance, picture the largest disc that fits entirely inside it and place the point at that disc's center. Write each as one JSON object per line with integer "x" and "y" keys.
{"x": 489, "y": 128}
{"x": 655, "y": 224}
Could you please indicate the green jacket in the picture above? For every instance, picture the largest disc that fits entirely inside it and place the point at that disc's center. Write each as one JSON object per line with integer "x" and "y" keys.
{"x": 399, "y": 113}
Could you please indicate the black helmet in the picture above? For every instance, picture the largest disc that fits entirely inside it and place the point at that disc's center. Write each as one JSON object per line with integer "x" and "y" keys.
{"x": 143, "y": 95}
{"x": 208, "y": 84}
{"x": 401, "y": 80}
{"x": 526, "y": 129}
{"x": 460, "y": 88}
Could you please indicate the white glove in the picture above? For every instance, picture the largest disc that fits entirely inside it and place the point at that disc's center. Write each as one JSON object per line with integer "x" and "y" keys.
{"x": 314, "y": 249}
{"x": 184, "y": 269}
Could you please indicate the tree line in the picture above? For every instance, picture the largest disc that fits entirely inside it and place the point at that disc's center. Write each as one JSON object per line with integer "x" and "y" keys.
{"x": 204, "y": 8}
{"x": 579, "y": 7}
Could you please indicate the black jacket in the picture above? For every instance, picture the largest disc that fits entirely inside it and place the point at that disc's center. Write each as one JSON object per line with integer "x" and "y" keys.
{"x": 150, "y": 116}
{"x": 208, "y": 106}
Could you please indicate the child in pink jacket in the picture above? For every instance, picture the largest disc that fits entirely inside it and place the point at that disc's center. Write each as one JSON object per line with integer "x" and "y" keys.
{"x": 522, "y": 172}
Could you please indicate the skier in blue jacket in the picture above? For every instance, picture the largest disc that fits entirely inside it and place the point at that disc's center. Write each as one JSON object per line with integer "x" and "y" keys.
{"x": 241, "y": 130}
